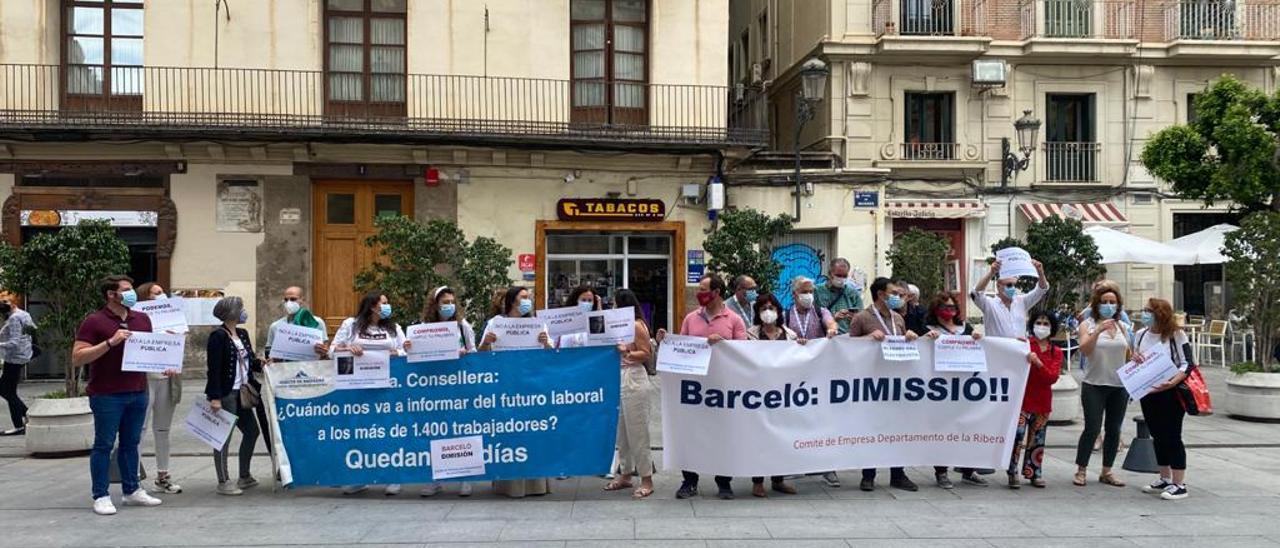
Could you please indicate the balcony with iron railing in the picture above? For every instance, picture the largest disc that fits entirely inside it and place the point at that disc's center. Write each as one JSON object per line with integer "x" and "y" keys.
{"x": 1078, "y": 19}
{"x": 930, "y": 152}
{"x": 1072, "y": 162}
{"x": 937, "y": 26}
{"x": 1221, "y": 20}
{"x": 160, "y": 102}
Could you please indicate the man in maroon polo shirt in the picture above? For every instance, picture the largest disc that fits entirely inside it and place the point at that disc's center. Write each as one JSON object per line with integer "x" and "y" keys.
{"x": 714, "y": 322}
{"x": 118, "y": 398}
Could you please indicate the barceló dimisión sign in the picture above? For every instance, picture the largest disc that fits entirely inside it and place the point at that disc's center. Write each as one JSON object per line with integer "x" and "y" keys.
{"x": 610, "y": 209}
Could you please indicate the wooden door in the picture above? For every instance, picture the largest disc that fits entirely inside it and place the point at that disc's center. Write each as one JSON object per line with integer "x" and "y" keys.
{"x": 344, "y": 218}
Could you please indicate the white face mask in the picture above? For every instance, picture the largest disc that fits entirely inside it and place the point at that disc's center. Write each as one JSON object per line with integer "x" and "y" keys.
{"x": 291, "y": 307}
{"x": 769, "y": 316}
{"x": 805, "y": 300}
{"x": 1041, "y": 331}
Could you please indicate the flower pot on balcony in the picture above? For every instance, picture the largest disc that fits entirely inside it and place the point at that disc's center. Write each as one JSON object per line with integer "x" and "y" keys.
{"x": 59, "y": 427}
{"x": 1253, "y": 396}
{"x": 1066, "y": 400}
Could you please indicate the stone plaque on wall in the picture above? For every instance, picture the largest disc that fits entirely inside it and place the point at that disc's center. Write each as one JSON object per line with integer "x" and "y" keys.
{"x": 239, "y": 205}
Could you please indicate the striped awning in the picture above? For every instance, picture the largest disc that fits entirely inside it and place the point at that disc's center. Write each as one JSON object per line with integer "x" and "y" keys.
{"x": 935, "y": 209}
{"x": 1104, "y": 214}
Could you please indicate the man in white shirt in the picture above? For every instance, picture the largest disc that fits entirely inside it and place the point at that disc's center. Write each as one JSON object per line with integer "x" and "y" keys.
{"x": 1005, "y": 315}
{"x": 293, "y": 302}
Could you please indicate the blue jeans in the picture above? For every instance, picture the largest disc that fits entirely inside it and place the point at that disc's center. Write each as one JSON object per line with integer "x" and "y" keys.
{"x": 113, "y": 414}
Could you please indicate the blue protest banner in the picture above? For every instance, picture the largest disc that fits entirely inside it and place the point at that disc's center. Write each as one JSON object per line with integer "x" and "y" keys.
{"x": 540, "y": 413}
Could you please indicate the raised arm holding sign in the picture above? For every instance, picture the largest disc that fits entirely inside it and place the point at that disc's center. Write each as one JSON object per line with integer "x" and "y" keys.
{"x": 1015, "y": 262}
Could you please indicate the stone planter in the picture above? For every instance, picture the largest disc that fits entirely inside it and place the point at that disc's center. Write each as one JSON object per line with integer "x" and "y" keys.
{"x": 1253, "y": 396}
{"x": 1066, "y": 400}
{"x": 59, "y": 427}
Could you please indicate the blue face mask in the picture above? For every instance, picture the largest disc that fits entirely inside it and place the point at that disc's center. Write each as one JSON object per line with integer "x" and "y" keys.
{"x": 526, "y": 306}
{"x": 447, "y": 311}
{"x": 752, "y": 295}
{"x": 1010, "y": 291}
{"x": 128, "y": 298}
{"x": 385, "y": 311}
{"x": 244, "y": 316}
{"x": 161, "y": 297}
{"x": 1148, "y": 318}
{"x": 585, "y": 306}
{"x": 894, "y": 302}
{"x": 1106, "y": 310}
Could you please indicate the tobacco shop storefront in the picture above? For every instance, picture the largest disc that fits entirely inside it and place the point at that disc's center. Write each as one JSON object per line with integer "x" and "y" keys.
{"x": 611, "y": 244}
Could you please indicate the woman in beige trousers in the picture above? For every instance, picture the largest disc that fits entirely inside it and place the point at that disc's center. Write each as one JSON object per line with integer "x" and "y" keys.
{"x": 633, "y": 420}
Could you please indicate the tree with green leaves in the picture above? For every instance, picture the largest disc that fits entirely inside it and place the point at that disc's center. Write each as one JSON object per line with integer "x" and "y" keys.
{"x": 1069, "y": 256}
{"x": 920, "y": 258}
{"x": 743, "y": 244}
{"x": 64, "y": 269}
{"x": 1228, "y": 153}
{"x": 418, "y": 257}
{"x": 1254, "y": 273}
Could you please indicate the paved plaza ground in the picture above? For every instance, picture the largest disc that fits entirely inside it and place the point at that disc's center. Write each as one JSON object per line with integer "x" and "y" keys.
{"x": 1234, "y": 479}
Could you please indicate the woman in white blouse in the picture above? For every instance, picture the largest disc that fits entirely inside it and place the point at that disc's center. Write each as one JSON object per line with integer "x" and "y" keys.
{"x": 371, "y": 329}
{"x": 1104, "y": 341}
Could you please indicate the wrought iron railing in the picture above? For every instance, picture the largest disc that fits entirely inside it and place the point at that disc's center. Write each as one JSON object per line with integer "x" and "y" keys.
{"x": 1078, "y": 19}
{"x": 1071, "y": 162}
{"x": 914, "y": 17}
{"x": 930, "y": 152}
{"x": 1222, "y": 20}
{"x": 292, "y": 102}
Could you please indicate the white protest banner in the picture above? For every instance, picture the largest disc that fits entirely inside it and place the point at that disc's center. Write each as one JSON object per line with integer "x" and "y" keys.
{"x": 1140, "y": 378}
{"x": 166, "y": 315}
{"x": 516, "y": 333}
{"x": 958, "y": 353}
{"x": 684, "y": 354}
{"x": 372, "y": 369}
{"x": 769, "y": 408}
{"x": 611, "y": 327}
{"x": 296, "y": 343}
{"x": 212, "y": 428}
{"x": 457, "y": 457}
{"x": 153, "y": 352}
{"x": 433, "y": 342}
{"x": 1015, "y": 262}
{"x": 564, "y": 321}
{"x": 895, "y": 348}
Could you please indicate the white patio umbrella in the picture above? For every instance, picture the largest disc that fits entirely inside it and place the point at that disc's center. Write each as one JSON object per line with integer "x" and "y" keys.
{"x": 1121, "y": 247}
{"x": 1207, "y": 244}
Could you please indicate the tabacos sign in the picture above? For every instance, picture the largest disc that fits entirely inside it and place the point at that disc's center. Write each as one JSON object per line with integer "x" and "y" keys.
{"x": 610, "y": 209}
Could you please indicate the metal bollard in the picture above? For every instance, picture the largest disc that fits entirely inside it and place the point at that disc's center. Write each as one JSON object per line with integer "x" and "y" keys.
{"x": 1141, "y": 456}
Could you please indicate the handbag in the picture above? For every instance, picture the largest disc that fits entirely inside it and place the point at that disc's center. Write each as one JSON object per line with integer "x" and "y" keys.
{"x": 1194, "y": 395}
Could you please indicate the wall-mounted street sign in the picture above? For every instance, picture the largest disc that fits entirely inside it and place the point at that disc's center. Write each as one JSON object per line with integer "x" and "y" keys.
{"x": 610, "y": 209}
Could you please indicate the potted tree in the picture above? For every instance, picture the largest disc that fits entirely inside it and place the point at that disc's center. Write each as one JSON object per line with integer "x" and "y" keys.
{"x": 1071, "y": 262}
{"x": 63, "y": 269}
{"x": 1229, "y": 153}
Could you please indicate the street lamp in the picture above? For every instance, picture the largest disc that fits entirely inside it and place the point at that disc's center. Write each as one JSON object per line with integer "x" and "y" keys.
{"x": 1026, "y": 128}
{"x": 813, "y": 88}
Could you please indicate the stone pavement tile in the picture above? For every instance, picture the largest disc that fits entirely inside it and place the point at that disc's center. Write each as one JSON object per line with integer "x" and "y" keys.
{"x": 817, "y": 528}
{"x": 569, "y": 529}
{"x": 923, "y": 543}
{"x": 540, "y": 544}
{"x": 854, "y": 509}
{"x": 1090, "y": 542}
{"x": 700, "y": 528}
{"x": 789, "y": 543}
{"x": 1209, "y": 542}
{"x": 434, "y": 531}
{"x": 651, "y": 507}
{"x": 511, "y": 509}
{"x": 1264, "y": 523}
{"x": 636, "y": 544}
{"x": 928, "y": 527}
{"x": 748, "y": 506}
{"x": 1253, "y": 458}
{"x": 1101, "y": 526}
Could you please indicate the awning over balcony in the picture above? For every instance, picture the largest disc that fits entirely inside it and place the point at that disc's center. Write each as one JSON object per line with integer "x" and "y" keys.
{"x": 1102, "y": 214}
{"x": 936, "y": 209}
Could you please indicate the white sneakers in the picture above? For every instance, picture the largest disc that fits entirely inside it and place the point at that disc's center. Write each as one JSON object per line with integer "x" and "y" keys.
{"x": 392, "y": 490}
{"x": 104, "y": 507}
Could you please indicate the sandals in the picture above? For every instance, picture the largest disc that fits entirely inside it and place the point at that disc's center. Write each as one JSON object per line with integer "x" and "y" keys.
{"x": 642, "y": 492}
{"x": 1079, "y": 479}
{"x": 618, "y": 485}
{"x": 1110, "y": 479}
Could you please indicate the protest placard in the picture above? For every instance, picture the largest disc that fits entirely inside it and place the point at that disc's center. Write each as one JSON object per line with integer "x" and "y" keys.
{"x": 371, "y": 369}
{"x": 684, "y": 354}
{"x": 296, "y": 343}
{"x": 611, "y": 327}
{"x": 166, "y": 315}
{"x": 564, "y": 321}
{"x": 1141, "y": 378}
{"x": 457, "y": 457}
{"x": 958, "y": 353}
{"x": 1015, "y": 262}
{"x": 517, "y": 333}
{"x": 433, "y": 342}
{"x": 153, "y": 352}
{"x": 209, "y": 426}
{"x": 895, "y": 348}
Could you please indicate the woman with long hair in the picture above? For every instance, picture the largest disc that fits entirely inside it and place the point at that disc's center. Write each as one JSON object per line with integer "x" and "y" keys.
{"x": 942, "y": 317}
{"x": 633, "y": 419}
{"x": 1105, "y": 343}
{"x": 1161, "y": 408}
{"x": 166, "y": 394}
{"x": 585, "y": 298}
{"x": 443, "y": 306}
{"x": 371, "y": 329}
{"x": 769, "y": 325}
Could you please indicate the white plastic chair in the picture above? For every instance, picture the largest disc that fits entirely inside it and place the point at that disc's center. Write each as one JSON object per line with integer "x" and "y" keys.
{"x": 1215, "y": 337}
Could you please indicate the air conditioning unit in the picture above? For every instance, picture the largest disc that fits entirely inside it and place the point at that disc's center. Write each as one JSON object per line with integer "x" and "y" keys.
{"x": 990, "y": 72}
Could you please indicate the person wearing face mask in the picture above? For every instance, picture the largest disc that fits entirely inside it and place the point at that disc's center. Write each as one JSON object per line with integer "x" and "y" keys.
{"x": 1037, "y": 402}
{"x": 713, "y": 321}
{"x": 232, "y": 362}
{"x": 516, "y": 303}
{"x": 878, "y": 321}
{"x": 16, "y": 349}
{"x": 840, "y": 296}
{"x": 1005, "y": 315}
{"x": 943, "y": 318}
{"x": 770, "y": 327}
{"x": 633, "y": 412}
{"x": 443, "y": 307}
{"x": 585, "y": 299}
{"x": 805, "y": 318}
{"x": 1104, "y": 341}
{"x": 1162, "y": 408}
{"x": 744, "y": 298}
{"x": 294, "y": 305}
{"x": 166, "y": 394}
{"x": 371, "y": 328}
{"x": 117, "y": 398}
